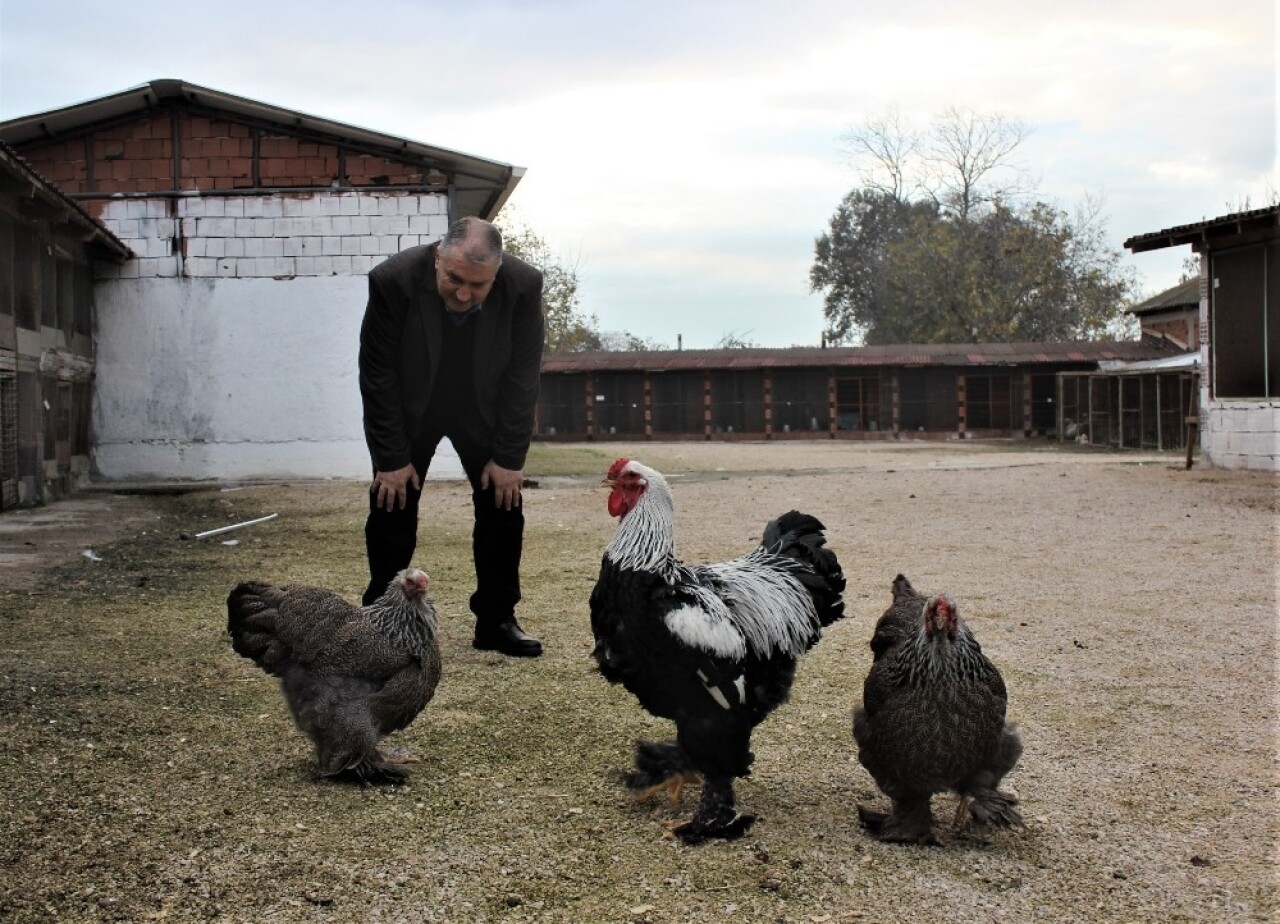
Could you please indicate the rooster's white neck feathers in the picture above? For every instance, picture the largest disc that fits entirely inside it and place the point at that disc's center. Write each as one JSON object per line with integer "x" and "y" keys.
{"x": 645, "y": 540}
{"x": 757, "y": 608}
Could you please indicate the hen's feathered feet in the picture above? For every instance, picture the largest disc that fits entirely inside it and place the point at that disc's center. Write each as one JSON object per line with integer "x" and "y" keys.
{"x": 993, "y": 809}
{"x": 908, "y": 823}
{"x": 378, "y": 769}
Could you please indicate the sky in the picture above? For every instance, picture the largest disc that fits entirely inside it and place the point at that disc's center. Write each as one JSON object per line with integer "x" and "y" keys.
{"x": 684, "y": 155}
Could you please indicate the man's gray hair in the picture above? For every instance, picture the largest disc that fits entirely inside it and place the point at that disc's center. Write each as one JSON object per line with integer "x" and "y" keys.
{"x": 477, "y": 240}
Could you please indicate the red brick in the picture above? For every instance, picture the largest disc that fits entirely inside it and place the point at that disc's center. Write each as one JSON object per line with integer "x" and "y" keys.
{"x": 219, "y": 166}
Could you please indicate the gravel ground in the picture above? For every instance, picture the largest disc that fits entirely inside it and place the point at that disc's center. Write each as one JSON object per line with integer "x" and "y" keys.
{"x": 151, "y": 774}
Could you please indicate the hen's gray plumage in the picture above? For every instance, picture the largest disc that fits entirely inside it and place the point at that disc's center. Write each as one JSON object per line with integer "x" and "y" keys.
{"x": 350, "y": 675}
{"x": 932, "y": 719}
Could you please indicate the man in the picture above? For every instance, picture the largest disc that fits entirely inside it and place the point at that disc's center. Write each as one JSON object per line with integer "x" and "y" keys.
{"x": 451, "y": 346}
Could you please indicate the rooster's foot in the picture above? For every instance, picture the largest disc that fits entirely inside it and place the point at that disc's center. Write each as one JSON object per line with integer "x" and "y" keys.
{"x": 695, "y": 831}
{"x": 673, "y": 786}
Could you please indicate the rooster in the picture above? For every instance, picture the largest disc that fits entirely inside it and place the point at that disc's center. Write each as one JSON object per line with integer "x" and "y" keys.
{"x": 712, "y": 647}
{"x": 349, "y": 675}
{"x": 933, "y": 719}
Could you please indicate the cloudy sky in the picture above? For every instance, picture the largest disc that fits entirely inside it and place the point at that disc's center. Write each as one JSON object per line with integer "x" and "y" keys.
{"x": 684, "y": 154}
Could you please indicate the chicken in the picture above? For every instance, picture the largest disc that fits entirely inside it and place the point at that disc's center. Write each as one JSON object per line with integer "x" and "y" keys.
{"x": 932, "y": 719}
{"x": 349, "y": 675}
{"x": 712, "y": 647}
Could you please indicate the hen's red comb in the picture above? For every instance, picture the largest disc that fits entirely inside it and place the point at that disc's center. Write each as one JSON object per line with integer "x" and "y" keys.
{"x": 616, "y": 468}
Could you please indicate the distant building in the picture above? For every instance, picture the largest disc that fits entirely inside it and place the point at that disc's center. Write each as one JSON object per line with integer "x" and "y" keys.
{"x": 916, "y": 391}
{"x": 1239, "y": 333}
{"x": 227, "y": 342}
{"x": 1174, "y": 314}
{"x": 49, "y": 248}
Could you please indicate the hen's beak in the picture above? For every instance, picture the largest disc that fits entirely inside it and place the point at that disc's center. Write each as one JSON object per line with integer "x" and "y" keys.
{"x": 607, "y": 483}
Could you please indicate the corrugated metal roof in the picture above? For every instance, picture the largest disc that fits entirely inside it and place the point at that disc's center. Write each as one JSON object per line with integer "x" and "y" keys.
{"x": 916, "y": 354}
{"x": 17, "y": 166}
{"x": 1183, "y": 295}
{"x": 1224, "y": 226}
{"x": 483, "y": 185}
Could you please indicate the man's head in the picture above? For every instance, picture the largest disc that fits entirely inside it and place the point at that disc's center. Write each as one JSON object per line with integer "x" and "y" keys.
{"x": 467, "y": 262}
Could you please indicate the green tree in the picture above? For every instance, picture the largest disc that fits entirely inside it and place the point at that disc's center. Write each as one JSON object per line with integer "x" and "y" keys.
{"x": 568, "y": 327}
{"x": 939, "y": 245}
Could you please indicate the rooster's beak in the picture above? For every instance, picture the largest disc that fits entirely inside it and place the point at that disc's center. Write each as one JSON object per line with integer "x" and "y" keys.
{"x": 607, "y": 483}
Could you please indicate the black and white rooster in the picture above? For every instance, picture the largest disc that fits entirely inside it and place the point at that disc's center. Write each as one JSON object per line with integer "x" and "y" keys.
{"x": 712, "y": 647}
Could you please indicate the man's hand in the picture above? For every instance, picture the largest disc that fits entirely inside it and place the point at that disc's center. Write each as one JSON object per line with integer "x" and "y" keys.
{"x": 506, "y": 484}
{"x": 392, "y": 488}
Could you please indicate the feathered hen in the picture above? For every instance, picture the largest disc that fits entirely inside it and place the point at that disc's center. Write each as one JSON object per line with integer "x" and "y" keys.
{"x": 933, "y": 719}
{"x": 712, "y": 647}
{"x": 350, "y": 675}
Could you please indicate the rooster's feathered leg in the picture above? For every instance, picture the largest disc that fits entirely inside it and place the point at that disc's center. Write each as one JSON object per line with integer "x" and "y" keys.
{"x": 661, "y": 767}
{"x": 716, "y": 815}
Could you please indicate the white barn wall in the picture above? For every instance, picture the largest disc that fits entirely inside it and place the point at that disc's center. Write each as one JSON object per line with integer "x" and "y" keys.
{"x": 228, "y": 349}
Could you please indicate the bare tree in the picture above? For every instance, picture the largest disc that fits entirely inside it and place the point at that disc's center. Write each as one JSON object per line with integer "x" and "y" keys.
{"x": 965, "y": 151}
{"x": 884, "y": 149}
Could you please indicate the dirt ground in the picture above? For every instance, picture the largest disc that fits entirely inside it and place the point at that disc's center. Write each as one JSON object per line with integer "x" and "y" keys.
{"x": 151, "y": 774}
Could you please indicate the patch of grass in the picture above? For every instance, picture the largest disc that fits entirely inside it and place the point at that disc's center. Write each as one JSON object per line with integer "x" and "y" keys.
{"x": 152, "y": 774}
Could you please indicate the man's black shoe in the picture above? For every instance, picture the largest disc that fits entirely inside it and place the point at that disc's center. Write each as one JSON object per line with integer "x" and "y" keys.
{"x": 507, "y": 638}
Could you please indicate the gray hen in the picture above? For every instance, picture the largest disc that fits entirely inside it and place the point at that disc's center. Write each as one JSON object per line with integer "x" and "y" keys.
{"x": 933, "y": 719}
{"x": 350, "y": 675}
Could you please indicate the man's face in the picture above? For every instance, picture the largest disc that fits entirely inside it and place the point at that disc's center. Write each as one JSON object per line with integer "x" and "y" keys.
{"x": 461, "y": 283}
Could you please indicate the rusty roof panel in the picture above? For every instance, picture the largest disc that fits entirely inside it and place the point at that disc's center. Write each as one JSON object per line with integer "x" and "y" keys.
{"x": 916, "y": 354}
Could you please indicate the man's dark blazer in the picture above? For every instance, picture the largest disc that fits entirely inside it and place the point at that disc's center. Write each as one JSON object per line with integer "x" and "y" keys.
{"x": 400, "y": 341}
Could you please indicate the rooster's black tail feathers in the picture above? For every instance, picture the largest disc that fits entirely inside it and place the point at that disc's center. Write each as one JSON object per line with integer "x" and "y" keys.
{"x": 800, "y": 536}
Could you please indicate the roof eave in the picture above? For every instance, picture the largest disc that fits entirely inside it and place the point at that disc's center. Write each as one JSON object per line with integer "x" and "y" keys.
{"x": 489, "y": 183}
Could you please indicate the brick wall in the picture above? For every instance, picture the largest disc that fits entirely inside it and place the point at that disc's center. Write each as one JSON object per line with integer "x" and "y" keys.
{"x": 213, "y": 154}
{"x": 275, "y": 236}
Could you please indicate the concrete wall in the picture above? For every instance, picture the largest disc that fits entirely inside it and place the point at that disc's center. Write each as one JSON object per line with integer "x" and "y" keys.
{"x": 228, "y": 349}
{"x": 1241, "y": 435}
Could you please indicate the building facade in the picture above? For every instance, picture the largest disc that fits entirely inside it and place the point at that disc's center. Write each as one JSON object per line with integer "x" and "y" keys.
{"x": 919, "y": 391}
{"x": 1239, "y": 315}
{"x": 227, "y": 347}
{"x": 49, "y": 248}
